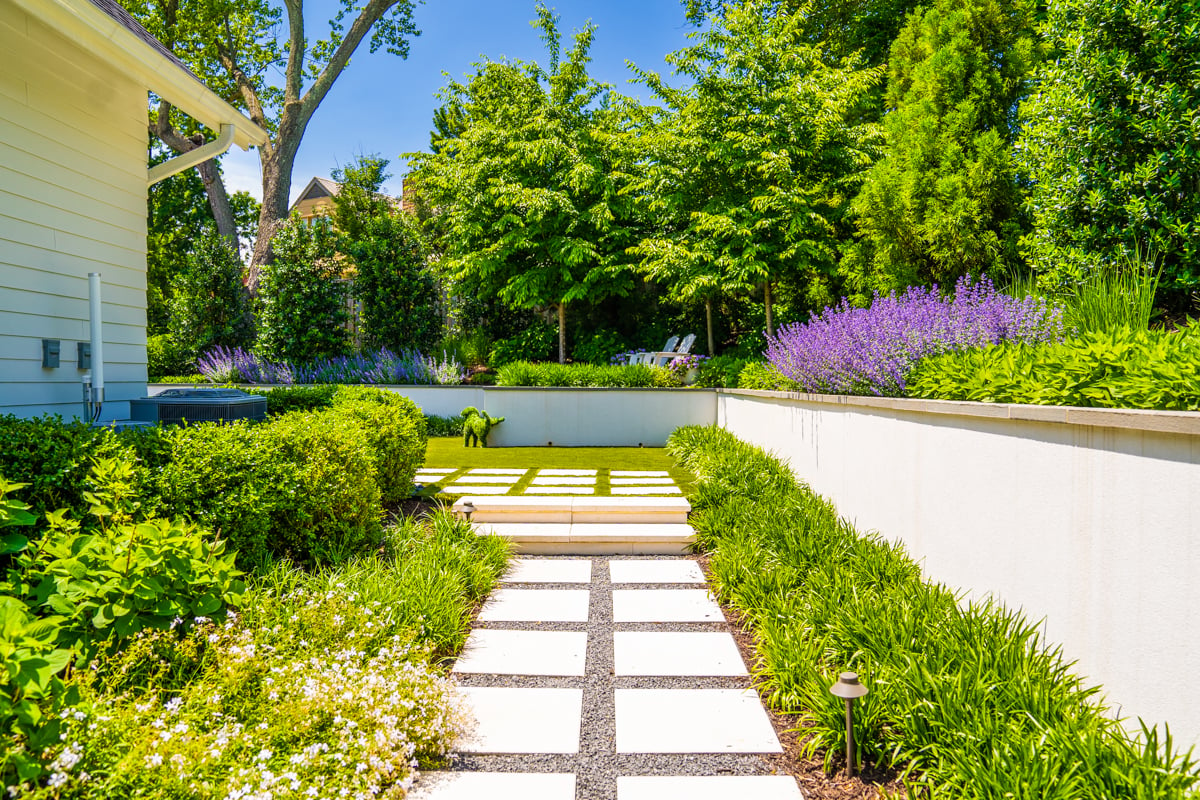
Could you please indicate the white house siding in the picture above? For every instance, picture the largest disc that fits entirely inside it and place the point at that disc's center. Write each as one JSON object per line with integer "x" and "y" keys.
{"x": 72, "y": 201}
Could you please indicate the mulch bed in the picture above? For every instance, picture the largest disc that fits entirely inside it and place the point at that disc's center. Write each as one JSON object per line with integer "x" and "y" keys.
{"x": 815, "y": 783}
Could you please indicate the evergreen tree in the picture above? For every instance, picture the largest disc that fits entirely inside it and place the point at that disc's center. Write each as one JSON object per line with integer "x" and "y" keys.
{"x": 1110, "y": 142}
{"x": 944, "y": 201}
{"x": 210, "y": 305}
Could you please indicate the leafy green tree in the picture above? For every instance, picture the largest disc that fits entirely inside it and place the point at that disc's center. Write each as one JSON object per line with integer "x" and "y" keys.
{"x": 211, "y": 305}
{"x": 399, "y": 297}
{"x": 178, "y": 215}
{"x": 239, "y": 48}
{"x": 360, "y": 195}
{"x": 749, "y": 170}
{"x": 1110, "y": 143}
{"x": 302, "y": 298}
{"x": 528, "y": 203}
{"x": 944, "y": 201}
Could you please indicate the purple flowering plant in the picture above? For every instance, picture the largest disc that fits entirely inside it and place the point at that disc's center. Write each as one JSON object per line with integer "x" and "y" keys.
{"x": 871, "y": 351}
{"x": 230, "y": 365}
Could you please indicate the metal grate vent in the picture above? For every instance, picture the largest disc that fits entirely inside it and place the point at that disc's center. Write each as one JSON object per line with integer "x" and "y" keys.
{"x": 175, "y": 406}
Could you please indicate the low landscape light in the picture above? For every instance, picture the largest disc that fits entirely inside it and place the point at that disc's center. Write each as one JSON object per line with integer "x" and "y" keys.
{"x": 468, "y": 508}
{"x": 849, "y": 689}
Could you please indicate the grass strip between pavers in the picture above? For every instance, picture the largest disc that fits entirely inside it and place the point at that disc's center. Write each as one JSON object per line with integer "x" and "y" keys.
{"x": 449, "y": 452}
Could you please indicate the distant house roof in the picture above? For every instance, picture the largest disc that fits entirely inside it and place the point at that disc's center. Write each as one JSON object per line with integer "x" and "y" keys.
{"x": 319, "y": 187}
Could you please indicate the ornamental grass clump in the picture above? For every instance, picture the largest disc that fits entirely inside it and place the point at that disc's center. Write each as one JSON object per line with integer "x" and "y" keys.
{"x": 870, "y": 351}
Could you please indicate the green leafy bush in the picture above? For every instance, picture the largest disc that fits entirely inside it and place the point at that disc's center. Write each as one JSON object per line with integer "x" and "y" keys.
{"x": 53, "y": 458}
{"x": 761, "y": 375}
{"x": 966, "y": 700}
{"x": 302, "y": 311}
{"x": 524, "y": 373}
{"x": 599, "y": 347}
{"x": 285, "y": 399}
{"x": 1119, "y": 369}
{"x": 469, "y": 348}
{"x": 443, "y": 426}
{"x": 133, "y": 572}
{"x": 301, "y": 485}
{"x": 720, "y": 372}
{"x": 535, "y": 343}
{"x": 210, "y": 305}
{"x": 395, "y": 428}
{"x": 164, "y": 357}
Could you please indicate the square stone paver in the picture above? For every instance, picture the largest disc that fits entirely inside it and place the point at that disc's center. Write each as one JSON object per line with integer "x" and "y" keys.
{"x": 566, "y": 472}
{"x": 474, "y": 488}
{"x": 567, "y": 490}
{"x": 536, "y": 605}
{"x": 493, "y": 652}
{"x": 657, "y": 570}
{"x": 676, "y": 653}
{"x": 523, "y": 720}
{"x": 640, "y": 481}
{"x": 693, "y": 721}
{"x": 489, "y": 480}
{"x": 445, "y": 470}
{"x": 494, "y": 786}
{"x": 646, "y": 490}
{"x": 639, "y": 473}
{"x": 665, "y": 605}
{"x": 517, "y": 472}
{"x": 716, "y": 787}
{"x": 545, "y": 570}
{"x": 564, "y": 480}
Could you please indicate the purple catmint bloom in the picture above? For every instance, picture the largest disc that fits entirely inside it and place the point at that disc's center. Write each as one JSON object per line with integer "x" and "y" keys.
{"x": 847, "y": 350}
{"x": 226, "y": 365}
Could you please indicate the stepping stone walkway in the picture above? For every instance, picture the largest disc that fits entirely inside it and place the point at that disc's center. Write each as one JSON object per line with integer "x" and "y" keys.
{"x": 549, "y": 482}
{"x": 608, "y": 678}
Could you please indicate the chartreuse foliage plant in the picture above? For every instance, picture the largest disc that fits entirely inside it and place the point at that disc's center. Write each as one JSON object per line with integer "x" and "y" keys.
{"x": 321, "y": 685}
{"x": 966, "y": 701}
{"x": 1124, "y": 368}
{"x": 524, "y": 373}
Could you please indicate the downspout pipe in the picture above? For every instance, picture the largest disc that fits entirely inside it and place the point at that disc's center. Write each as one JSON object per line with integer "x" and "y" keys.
{"x": 193, "y": 157}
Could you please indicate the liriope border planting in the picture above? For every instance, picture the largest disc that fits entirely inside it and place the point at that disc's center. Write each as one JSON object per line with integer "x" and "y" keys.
{"x": 966, "y": 699}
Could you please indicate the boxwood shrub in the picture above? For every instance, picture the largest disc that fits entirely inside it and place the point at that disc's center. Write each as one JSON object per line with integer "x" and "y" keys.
{"x": 966, "y": 700}
{"x": 396, "y": 430}
{"x": 525, "y": 373}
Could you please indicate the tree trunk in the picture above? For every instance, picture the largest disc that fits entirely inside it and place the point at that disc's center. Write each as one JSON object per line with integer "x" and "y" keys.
{"x": 218, "y": 201}
{"x": 562, "y": 333}
{"x": 767, "y": 302}
{"x": 277, "y": 185}
{"x": 712, "y": 350}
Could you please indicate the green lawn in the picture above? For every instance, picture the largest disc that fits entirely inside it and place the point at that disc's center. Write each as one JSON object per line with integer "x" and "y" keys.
{"x": 448, "y": 451}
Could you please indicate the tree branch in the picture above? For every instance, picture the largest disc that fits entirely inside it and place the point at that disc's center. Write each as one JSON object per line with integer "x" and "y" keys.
{"x": 361, "y": 26}
{"x": 297, "y": 51}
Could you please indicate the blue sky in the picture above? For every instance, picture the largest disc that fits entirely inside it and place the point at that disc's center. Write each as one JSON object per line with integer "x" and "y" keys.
{"x": 383, "y": 104}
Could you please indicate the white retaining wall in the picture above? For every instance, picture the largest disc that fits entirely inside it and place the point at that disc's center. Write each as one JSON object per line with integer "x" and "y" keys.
{"x": 1086, "y": 518}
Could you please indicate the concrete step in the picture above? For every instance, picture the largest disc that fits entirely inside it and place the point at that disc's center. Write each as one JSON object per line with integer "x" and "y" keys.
{"x": 594, "y": 538}
{"x": 619, "y": 510}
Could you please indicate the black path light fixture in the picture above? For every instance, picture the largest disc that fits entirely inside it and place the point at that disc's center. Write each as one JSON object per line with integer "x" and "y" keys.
{"x": 468, "y": 508}
{"x": 849, "y": 689}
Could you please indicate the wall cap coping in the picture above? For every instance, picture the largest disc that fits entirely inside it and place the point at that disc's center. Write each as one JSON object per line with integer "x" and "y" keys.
{"x": 1182, "y": 422}
{"x": 454, "y": 386}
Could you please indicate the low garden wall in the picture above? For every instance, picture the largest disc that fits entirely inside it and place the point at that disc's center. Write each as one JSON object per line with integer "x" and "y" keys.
{"x": 1086, "y": 518}
{"x": 537, "y": 416}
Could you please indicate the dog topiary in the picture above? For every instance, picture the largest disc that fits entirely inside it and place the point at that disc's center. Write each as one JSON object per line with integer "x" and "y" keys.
{"x": 476, "y": 425}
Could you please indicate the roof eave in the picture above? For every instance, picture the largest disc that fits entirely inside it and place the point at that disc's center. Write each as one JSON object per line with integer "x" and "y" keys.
{"x": 91, "y": 28}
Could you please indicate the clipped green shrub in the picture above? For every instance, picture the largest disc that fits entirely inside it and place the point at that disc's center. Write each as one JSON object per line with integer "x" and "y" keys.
{"x": 300, "y": 485}
{"x": 524, "y": 373}
{"x": 395, "y": 428}
{"x": 210, "y": 304}
{"x": 285, "y": 399}
{"x": 966, "y": 700}
{"x": 1122, "y": 368}
{"x": 764, "y": 376}
{"x": 53, "y": 457}
{"x": 535, "y": 343}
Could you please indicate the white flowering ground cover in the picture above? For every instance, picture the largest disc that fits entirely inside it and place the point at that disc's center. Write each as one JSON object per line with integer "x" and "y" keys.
{"x": 326, "y": 685}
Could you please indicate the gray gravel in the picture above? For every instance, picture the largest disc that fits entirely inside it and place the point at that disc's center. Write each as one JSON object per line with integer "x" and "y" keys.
{"x": 597, "y": 764}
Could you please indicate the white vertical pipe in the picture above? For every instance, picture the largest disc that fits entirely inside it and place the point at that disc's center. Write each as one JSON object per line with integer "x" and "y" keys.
{"x": 97, "y": 336}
